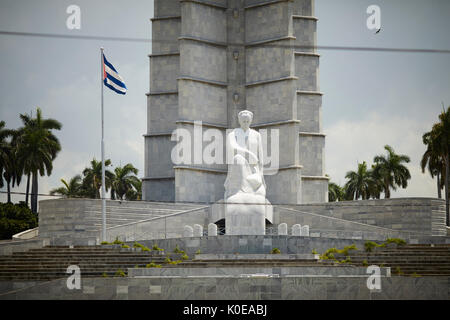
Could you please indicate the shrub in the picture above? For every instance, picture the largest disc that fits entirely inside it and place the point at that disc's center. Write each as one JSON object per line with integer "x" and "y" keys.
{"x": 138, "y": 245}
{"x": 125, "y": 246}
{"x": 365, "y": 263}
{"x": 330, "y": 253}
{"x": 198, "y": 251}
{"x": 347, "y": 260}
{"x": 117, "y": 241}
{"x": 153, "y": 265}
{"x": 398, "y": 271}
{"x": 120, "y": 273}
{"x": 15, "y": 218}
{"x": 275, "y": 251}
{"x": 347, "y": 249}
{"x": 104, "y": 243}
{"x": 369, "y": 245}
{"x": 314, "y": 251}
{"x": 184, "y": 257}
{"x": 398, "y": 241}
{"x": 104, "y": 275}
{"x": 156, "y": 248}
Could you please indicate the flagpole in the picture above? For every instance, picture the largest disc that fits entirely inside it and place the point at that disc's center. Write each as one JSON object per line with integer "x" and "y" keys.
{"x": 103, "y": 158}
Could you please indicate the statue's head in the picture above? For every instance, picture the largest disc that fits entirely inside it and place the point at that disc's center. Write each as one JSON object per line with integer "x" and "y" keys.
{"x": 245, "y": 118}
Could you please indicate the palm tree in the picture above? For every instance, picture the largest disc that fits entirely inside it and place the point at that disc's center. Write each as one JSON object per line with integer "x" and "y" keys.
{"x": 391, "y": 170}
{"x": 69, "y": 190}
{"x": 123, "y": 180}
{"x": 335, "y": 192}
{"x": 92, "y": 181}
{"x": 359, "y": 183}
{"x": 438, "y": 141}
{"x": 7, "y": 167}
{"x": 376, "y": 184}
{"x": 37, "y": 148}
{"x": 136, "y": 192}
{"x": 23, "y": 160}
{"x": 436, "y": 167}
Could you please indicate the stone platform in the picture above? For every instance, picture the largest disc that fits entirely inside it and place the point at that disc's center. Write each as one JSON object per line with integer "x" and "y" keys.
{"x": 226, "y": 276}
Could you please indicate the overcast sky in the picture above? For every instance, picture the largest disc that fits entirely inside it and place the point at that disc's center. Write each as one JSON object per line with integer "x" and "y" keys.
{"x": 370, "y": 98}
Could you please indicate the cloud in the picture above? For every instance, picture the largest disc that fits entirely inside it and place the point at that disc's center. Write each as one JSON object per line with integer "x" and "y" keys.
{"x": 351, "y": 141}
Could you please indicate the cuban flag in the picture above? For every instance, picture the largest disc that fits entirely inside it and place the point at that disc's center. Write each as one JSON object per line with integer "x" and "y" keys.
{"x": 112, "y": 79}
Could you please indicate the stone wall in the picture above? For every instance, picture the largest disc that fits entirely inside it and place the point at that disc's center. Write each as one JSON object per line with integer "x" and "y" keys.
{"x": 331, "y": 227}
{"x": 78, "y": 221}
{"x": 252, "y": 244}
{"x": 231, "y": 288}
{"x": 420, "y": 215}
{"x": 8, "y": 247}
{"x": 169, "y": 226}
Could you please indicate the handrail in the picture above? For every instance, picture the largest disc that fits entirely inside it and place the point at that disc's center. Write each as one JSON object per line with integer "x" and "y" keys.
{"x": 160, "y": 217}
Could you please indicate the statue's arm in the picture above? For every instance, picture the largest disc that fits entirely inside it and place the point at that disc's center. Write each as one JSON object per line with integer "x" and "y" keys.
{"x": 234, "y": 146}
{"x": 260, "y": 152}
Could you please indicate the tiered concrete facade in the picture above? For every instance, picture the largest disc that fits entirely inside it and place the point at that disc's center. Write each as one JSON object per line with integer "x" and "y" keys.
{"x": 210, "y": 60}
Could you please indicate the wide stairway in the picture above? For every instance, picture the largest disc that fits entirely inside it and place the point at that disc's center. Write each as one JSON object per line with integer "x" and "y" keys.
{"x": 96, "y": 261}
{"x": 52, "y": 262}
{"x": 412, "y": 259}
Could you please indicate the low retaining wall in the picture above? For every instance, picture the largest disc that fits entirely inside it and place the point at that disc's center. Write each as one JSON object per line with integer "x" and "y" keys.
{"x": 234, "y": 288}
{"x": 69, "y": 221}
{"x": 11, "y": 246}
{"x": 420, "y": 215}
{"x": 331, "y": 227}
{"x": 251, "y": 244}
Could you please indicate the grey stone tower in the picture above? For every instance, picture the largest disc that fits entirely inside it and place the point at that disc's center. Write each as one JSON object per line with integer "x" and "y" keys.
{"x": 212, "y": 58}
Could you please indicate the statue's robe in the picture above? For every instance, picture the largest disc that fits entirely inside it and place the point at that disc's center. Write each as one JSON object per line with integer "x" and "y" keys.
{"x": 245, "y": 172}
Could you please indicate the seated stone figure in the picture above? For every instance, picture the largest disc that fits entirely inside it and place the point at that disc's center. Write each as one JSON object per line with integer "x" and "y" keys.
{"x": 245, "y": 188}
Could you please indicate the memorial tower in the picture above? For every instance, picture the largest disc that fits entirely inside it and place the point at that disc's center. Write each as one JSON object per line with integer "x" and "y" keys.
{"x": 213, "y": 58}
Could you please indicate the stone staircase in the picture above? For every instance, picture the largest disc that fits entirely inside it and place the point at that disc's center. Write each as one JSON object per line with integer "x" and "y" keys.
{"x": 51, "y": 262}
{"x": 412, "y": 259}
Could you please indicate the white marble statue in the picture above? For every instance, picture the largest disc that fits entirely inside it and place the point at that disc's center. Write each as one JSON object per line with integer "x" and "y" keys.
{"x": 245, "y": 188}
{"x": 245, "y": 172}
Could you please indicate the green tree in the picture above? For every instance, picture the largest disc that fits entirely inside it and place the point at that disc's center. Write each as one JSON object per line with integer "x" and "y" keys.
{"x": 15, "y": 218}
{"x": 391, "y": 170}
{"x": 70, "y": 189}
{"x": 335, "y": 192}
{"x": 37, "y": 148}
{"x": 359, "y": 182}
{"x": 376, "y": 186}
{"x": 92, "y": 181}
{"x": 8, "y": 168}
{"x": 438, "y": 142}
{"x": 136, "y": 192}
{"x": 436, "y": 167}
{"x": 124, "y": 179}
